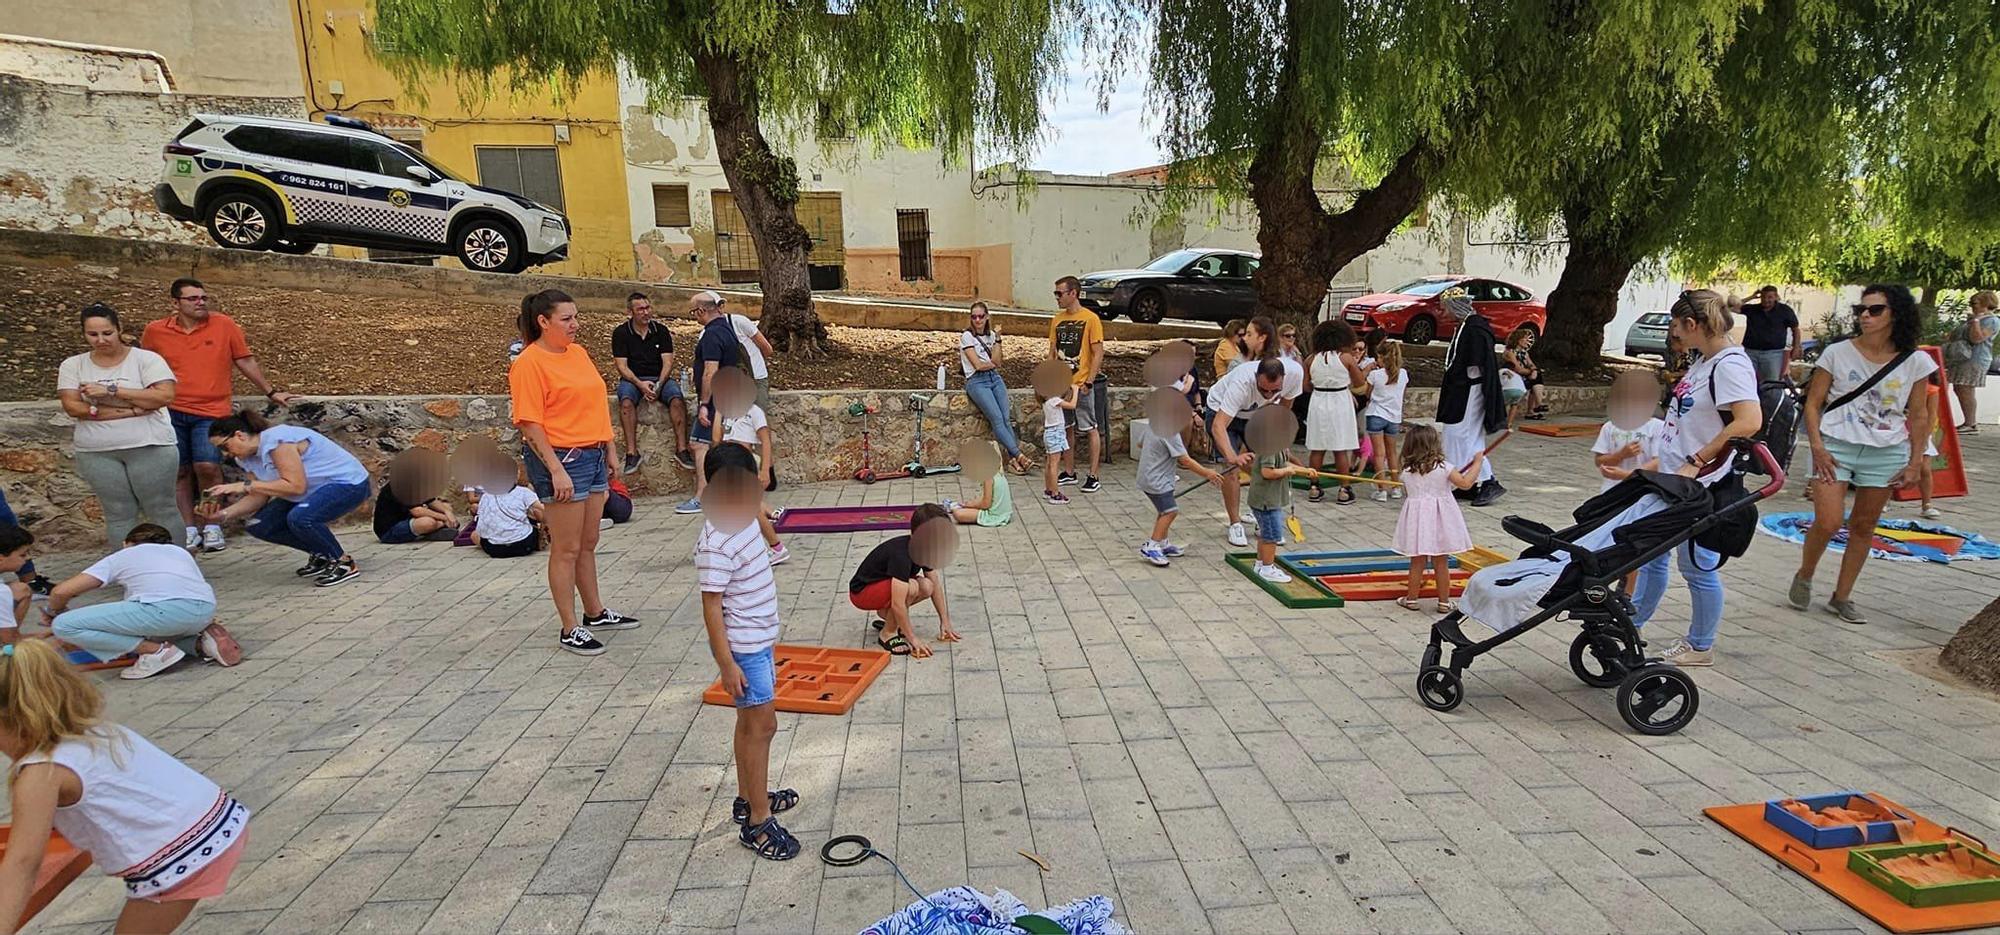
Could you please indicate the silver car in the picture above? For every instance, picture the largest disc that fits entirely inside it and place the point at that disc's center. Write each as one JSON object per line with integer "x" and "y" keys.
{"x": 1648, "y": 336}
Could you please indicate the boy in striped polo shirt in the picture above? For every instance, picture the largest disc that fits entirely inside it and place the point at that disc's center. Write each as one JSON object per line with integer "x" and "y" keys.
{"x": 739, "y": 604}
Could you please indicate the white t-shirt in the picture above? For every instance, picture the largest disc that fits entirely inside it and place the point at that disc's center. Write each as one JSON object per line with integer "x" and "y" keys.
{"x": 1385, "y": 397}
{"x": 1236, "y": 393}
{"x": 743, "y": 429}
{"x": 737, "y": 565}
{"x": 1875, "y": 418}
{"x": 981, "y": 346}
{"x": 150, "y": 572}
{"x": 1052, "y": 412}
{"x": 1610, "y": 438}
{"x": 503, "y": 517}
{"x": 1694, "y": 410}
{"x": 746, "y": 332}
{"x": 140, "y": 369}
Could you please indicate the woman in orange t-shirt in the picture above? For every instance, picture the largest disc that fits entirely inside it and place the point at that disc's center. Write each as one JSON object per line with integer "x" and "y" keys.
{"x": 563, "y": 411}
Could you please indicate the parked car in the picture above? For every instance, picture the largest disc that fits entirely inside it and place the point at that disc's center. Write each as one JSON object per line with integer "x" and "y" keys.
{"x": 1647, "y": 337}
{"x": 1411, "y": 311}
{"x": 1207, "y": 285}
{"x": 266, "y": 183}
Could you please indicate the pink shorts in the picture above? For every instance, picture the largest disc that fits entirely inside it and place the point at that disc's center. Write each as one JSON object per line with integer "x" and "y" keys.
{"x": 208, "y": 882}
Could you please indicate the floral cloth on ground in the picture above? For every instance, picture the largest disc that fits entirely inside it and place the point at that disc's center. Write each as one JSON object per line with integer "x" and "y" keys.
{"x": 963, "y": 910}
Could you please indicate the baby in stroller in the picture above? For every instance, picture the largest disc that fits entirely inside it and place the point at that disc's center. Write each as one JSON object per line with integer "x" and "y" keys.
{"x": 1575, "y": 572}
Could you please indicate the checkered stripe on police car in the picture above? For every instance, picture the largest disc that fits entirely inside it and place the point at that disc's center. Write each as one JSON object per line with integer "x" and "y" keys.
{"x": 420, "y": 225}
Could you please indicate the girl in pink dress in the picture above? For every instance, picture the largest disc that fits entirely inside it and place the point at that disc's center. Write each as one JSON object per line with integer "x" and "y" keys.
{"x": 1430, "y": 527}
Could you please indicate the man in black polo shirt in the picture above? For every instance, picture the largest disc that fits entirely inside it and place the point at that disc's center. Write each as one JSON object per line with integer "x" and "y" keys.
{"x": 644, "y": 354}
{"x": 715, "y": 349}
{"x": 1764, "y": 328}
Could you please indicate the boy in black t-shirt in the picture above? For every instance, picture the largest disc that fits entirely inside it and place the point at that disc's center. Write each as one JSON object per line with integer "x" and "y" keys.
{"x": 892, "y": 579}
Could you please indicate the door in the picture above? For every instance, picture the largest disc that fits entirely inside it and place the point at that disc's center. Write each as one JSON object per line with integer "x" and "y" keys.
{"x": 1238, "y": 289}
{"x": 392, "y": 203}
{"x": 310, "y": 168}
{"x": 1203, "y": 291}
{"x": 736, "y": 252}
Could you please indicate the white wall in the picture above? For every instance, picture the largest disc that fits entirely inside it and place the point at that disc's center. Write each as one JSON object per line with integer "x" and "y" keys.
{"x": 211, "y": 46}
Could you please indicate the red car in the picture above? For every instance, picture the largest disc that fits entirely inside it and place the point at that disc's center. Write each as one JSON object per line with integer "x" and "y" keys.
{"x": 1411, "y": 311}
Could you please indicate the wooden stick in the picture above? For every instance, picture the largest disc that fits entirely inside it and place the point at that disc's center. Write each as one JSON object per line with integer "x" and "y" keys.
{"x": 1354, "y": 478}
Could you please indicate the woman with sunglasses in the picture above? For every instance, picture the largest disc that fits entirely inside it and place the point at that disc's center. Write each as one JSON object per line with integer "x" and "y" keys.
{"x": 979, "y": 355}
{"x": 1870, "y": 435}
{"x": 1711, "y": 405}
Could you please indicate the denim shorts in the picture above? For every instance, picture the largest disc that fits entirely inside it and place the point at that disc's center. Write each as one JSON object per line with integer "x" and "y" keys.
{"x": 760, "y": 677}
{"x": 1270, "y": 525}
{"x": 588, "y": 472}
{"x": 398, "y": 534}
{"x": 191, "y": 435}
{"x": 1380, "y": 426}
{"x": 629, "y": 392}
{"x": 1163, "y": 503}
{"x": 1055, "y": 440}
{"x": 1866, "y": 465}
{"x": 699, "y": 434}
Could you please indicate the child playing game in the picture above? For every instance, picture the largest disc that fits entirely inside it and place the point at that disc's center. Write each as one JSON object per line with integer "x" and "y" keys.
{"x": 1431, "y": 527}
{"x": 1629, "y": 439}
{"x": 903, "y": 572}
{"x": 1383, "y": 417}
{"x": 739, "y": 605}
{"x": 995, "y": 505}
{"x": 1167, "y": 415}
{"x": 1269, "y": 437}
{"x": 170, "y": 832}
{"x": 15, "y": 544}
{"x": 1056, "y": 398}
{"x": 505, "y": 521}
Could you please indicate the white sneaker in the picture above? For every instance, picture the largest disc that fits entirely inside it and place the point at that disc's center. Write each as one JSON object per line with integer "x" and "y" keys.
{"x": 1236, "y": 536}
{"x": 780, "y": 554}
{"x": 1931, "y": 512}
{"x": 1271, "y": 573}
{"x": 211, "y": 539}
{"x": 154, "y": 663}
{"x": 193, "y": 539}
{"x": 1684, "y": 655}
{"x": 1395, "y": 493}
{"x": 1380, "y": 496}
{"x": 604, "y": 524}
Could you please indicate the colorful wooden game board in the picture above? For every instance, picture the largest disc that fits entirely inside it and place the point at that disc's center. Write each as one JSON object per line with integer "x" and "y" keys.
{"x": 815, "y": 679}
{"x": 804, "y": 519}
{"x": 1389, "y": 585}
{"x": 62, "y": 863}
{"x": 1301, "y": 592}
{"x": 1562, "y": 429}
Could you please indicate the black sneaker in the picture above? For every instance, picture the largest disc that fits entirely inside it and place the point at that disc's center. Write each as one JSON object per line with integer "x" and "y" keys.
{"x": 337, "y": 572}
{"x": 1091, "y": 484}
{"x": 314, "y": 568}
{"x": 1488, "y": 493}
{"x": 40, "y": 584}
{"x": 580, "y": 642}
{"x": 1066, "y": 479}
{"x": 685, "y": 459}
{"x": 609, "y": 619}
{"x": 632, "y": 462}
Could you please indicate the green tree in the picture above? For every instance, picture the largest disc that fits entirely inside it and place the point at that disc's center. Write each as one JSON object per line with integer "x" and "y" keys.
{"x": 942, "y": 73}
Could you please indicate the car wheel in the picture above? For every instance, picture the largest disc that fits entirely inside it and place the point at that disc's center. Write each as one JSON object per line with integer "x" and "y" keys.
{"x": 1148, "y": 307}
{"x": 488, "y": 245}
{"x": 243, "y": 220}
{"x": 295, "y": 246}
{"x": 1420, "y": 330}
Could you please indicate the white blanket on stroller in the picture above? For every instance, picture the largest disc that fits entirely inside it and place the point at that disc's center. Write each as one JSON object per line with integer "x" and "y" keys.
{"x": 1503, "y": 596}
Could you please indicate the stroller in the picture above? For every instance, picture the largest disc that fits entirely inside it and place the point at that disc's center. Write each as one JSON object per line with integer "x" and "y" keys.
{"x": 1573, "y": 573}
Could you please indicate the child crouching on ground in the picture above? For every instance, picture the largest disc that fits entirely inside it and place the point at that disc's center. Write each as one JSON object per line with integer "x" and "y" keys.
{"x": 1167, "y": 415}
{"x": 170, "y": 832}
{"x": 739, "y": 605}
{"x": 1269, "y": 436}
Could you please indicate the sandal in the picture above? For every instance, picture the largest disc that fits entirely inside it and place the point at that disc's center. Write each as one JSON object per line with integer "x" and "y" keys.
{"x": 1408, "y": 603}
{"x": 896, "y": 645}
{"x": 782, "y": 800}
{"x": 1445, "y": 606}
{"x": 770, "y": 840}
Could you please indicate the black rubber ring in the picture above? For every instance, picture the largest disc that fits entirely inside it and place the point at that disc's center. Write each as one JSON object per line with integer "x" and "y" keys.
{"x": 826, "y": 852}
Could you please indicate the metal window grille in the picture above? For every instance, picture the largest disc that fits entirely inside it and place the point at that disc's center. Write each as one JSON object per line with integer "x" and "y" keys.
{"x": 913, "y": 242}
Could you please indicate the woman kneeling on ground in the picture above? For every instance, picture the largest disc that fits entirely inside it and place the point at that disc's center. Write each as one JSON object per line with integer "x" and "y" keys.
{"x": 301, "y": 483}
{"x": 166, "y": 601}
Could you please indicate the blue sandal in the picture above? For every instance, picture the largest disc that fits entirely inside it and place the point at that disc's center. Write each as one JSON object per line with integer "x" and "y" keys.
{"x": 781, "y": 801}
{"x": 770, "y": 840}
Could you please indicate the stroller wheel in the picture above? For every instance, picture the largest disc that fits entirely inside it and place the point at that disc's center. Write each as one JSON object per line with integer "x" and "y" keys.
{"x": 1657, "y": 699}
{"x": 1592, "y": 666}
{"x": 1432, "y": 655}
{"x": 1439, "y": 688}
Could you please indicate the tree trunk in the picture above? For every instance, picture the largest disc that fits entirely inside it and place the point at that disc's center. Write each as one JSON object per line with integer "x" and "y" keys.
{"x": 1974, "y": 652}
{"x": 765, "y": 187}
{"x": 1585, "y": 299}
{"x": 1303, "y": 244}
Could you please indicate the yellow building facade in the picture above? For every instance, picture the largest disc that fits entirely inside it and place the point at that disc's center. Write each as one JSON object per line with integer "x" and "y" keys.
{"x": 564, "y": 149}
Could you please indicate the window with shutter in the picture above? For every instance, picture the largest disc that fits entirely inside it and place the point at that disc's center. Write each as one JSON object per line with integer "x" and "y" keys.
{"x": 670, "y": 206}
{"x": 532, "y": 172}
{"x": 913, "y": 242}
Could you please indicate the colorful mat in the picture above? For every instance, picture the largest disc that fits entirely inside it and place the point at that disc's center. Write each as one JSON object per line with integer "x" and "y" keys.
{"x": 1898, "y": 540}
{"x": 1389, "y": 585}
{"x": 62, "y": 863}
{"x": 805, "y": 519}
{"x": 1562, "y": 429}
{"x": 1828, "y": 870}
{"x": 815, "y": 679}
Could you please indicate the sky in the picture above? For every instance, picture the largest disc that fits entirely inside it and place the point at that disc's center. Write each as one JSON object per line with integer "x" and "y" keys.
{"x": 1088, "y": 141}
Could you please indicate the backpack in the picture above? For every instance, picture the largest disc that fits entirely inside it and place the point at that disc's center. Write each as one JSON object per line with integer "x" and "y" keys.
{"x": 1783, "y": 405}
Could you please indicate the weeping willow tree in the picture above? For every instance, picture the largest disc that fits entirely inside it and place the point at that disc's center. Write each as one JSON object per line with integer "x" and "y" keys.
{"x": 1339, "y": 120}
{"x": 939, "y": 73}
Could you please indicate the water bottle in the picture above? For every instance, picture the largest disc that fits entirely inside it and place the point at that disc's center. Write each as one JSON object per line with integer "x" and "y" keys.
{"x": 940, "y": 383}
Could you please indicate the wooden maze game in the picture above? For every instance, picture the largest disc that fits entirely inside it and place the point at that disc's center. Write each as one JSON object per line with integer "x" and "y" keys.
{"x": 815, "y": 679}
{"x": 62, "y": 863}
{"x": 809, "y": 519}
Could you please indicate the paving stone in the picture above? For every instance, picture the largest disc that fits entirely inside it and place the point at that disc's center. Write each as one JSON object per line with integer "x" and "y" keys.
{"x": 1156, "y": 897}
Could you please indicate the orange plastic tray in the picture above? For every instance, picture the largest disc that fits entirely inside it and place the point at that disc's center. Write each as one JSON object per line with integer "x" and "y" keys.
{"x": 815, "y": 679}
{"x": 1828, "y": 869}
{"x": 1563, "y": 429}
{"x": 62, "y": 863}
{"x": 1389, "y": 585}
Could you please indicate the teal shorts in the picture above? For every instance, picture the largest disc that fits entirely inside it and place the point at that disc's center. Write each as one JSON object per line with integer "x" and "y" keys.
{"x": 1866, "y": 465}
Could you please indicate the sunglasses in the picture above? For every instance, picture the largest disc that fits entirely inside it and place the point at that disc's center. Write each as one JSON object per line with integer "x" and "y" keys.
{"x": 1870, "y": 310}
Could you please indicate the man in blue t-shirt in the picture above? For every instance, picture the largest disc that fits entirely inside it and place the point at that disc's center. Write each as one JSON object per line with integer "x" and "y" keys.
{"x": 715, "y": 349}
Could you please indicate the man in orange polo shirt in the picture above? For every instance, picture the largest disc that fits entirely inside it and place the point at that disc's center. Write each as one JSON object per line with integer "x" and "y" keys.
{"x": 202, "y": 347}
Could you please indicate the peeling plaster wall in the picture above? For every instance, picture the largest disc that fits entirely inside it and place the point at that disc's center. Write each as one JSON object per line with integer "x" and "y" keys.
{"x": 85, "y": 162}
{"x": 211, "y": 47}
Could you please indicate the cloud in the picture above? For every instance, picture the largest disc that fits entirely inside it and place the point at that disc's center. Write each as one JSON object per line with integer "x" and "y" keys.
{"x": 1086, "y": 140}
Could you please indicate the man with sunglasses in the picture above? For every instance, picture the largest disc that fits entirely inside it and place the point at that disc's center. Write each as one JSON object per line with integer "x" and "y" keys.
{"x": 1076, "y": 337}
{"x": 205, "y": 350}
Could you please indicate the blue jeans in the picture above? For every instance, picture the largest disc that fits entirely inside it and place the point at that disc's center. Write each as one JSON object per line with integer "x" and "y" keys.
{"x": 302, "y": 524}
{"x": 115, "y": 628}
{"x": 1704, "y": 591}
{"x": 7, "y": 517}
{"x": 1769, "y": 364}
{"x": 989, "y": 392}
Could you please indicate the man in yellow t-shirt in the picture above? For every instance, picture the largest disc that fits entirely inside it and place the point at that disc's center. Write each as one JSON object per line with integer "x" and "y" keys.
{"x": 1076, "y": 337}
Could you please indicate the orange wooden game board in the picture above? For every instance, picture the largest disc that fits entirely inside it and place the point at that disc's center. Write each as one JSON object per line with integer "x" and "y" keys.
{"x": 1389, "y": 585}
{"x": 1828, "y": 869}
{"x": 62, "y": 863}
{"x": 815, "y": 679}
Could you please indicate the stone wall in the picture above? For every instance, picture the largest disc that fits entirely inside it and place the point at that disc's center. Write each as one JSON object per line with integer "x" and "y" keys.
{"x": 814, "y": 438}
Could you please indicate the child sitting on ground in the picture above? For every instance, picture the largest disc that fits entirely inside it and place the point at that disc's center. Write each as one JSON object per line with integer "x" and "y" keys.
{"x": 171, "y": 832}
{"x": 507, "y": 523}
{"x": 1269, "y": 436}
{"x": 739, "y": 605}
{"x": 618, "y": 506}
{"x": 1629, "y": 440}
{"x": 1431, "y": 528}
{"x": 903, "y": 572}
{"x": 15, "y": 544}
{"x": 1167, "y": 415}
{"x": 995, "y": 504}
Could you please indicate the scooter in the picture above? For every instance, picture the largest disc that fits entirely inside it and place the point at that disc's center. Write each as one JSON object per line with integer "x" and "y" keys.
{"x": 916, "y": 467}
{"x": 867, "y": 474}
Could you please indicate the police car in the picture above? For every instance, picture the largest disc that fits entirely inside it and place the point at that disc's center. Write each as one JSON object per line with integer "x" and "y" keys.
{"x": 266, "y": 183}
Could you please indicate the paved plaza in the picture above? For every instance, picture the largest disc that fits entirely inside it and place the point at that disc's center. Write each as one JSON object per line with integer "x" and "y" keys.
{"x": 422, "y": 758}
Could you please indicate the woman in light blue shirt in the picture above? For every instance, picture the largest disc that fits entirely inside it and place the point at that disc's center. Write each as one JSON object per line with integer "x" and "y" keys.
{"x": 302, "y": 482}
